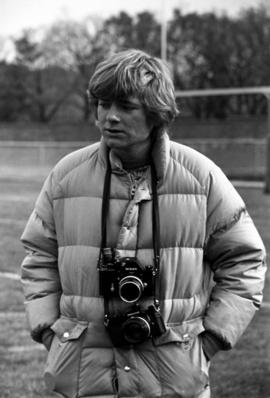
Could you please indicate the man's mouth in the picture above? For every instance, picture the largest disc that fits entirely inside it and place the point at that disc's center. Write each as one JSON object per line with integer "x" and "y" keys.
{"x": 113, "y": 131}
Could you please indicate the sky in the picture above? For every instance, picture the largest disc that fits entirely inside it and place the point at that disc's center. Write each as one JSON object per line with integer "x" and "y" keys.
{"x": 16, "y": 15}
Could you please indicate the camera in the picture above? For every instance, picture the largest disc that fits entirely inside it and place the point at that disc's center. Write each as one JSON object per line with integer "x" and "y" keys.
{"x": 125, "y": 278}
{"x": 134, "y": 327}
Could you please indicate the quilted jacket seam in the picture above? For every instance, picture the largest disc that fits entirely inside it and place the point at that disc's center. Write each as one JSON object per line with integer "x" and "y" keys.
{"x": 190, "y": 172}
{"x": 226, "y": 226}
{"x": 78, "y": 164}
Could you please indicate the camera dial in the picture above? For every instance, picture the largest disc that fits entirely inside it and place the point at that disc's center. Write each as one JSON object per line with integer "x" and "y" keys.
{"x": 130, "y": 288}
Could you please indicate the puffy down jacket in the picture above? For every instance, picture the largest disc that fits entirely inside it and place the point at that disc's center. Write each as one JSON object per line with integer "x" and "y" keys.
{"x": 211, "y": 276}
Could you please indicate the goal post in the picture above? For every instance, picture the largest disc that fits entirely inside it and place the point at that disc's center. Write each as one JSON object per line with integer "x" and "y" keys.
{"x": 264, "y": 90}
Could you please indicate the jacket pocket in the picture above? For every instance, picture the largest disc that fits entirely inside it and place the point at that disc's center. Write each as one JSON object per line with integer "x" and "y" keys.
{"x": 181, "y": 333}
{"x": 181, "y": 362}
{"x": 63, "y": 362}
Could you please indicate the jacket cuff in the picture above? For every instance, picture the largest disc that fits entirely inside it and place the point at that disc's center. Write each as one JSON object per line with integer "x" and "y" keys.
{"x": 42, "y": 313}
{"x": 210, "y": 344}
{"x": 47, "y": 337}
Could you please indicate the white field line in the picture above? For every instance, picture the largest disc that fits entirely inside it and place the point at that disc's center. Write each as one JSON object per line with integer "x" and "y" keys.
{"x": 10, "y": 275}
{"x": 25, "y": 348}
{"x": 11, "y": 221}
{"x": 22, "y": 198}
{"x": 248, "y": 184}
{"x": 12, "y": 314}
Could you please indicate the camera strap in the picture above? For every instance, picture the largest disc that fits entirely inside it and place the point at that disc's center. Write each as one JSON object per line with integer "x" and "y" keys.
{"x": 155, "y": 226}
{"x": 105, "y": 204}
{"x": 155, "y": 233}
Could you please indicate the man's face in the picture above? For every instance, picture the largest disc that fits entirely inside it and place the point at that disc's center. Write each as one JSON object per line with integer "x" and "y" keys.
{"x": 123, "y": 124}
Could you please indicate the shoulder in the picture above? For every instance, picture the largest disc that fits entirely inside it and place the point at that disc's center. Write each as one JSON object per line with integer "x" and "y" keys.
{"x": 194, "y": 162}
{"x": 74, "y": 160}
{"x": 205, "y": 174}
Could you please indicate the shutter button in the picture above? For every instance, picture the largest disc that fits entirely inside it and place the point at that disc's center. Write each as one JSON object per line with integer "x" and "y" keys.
{"x": 66, "y": 335}
{"x": 127, "y": 368}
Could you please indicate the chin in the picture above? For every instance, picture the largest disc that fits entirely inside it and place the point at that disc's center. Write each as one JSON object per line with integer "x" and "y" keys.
{"x": 114, "y": 143}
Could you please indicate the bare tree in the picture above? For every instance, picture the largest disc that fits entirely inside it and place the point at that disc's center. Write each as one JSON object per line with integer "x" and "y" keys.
{"x": 46, "y": 86}
{"x": 72, "y": 46}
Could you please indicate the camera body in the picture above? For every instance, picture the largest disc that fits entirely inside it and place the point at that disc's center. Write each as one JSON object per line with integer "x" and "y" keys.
{"x": 125, "y": 278}
{"x": 135, "y": 327}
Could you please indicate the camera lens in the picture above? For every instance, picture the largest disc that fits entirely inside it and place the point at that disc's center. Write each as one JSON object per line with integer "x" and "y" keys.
{"x": 136, "y": 330}
{"x": 130, "y": 289}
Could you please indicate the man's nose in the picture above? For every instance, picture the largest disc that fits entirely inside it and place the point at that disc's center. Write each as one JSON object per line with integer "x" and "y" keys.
{"x": 113, "y": 114}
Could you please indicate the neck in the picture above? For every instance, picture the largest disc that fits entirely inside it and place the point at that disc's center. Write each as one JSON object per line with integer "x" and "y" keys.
{"x": 131, "y": 160}
{"x": 129, "y": 165}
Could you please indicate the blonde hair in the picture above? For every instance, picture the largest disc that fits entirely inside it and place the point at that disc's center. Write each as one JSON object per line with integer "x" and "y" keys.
{"x": 136, "y": 73}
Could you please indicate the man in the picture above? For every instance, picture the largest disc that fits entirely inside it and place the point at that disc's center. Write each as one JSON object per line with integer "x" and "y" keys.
{"x": 142, "y": 259}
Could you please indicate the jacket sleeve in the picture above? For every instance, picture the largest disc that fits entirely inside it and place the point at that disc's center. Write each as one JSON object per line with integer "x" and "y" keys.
{"x": 236, "y": 255}
{"x": 39, "y": 270}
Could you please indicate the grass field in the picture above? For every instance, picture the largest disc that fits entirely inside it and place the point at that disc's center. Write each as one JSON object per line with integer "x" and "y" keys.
{"x": 241, "y": 373}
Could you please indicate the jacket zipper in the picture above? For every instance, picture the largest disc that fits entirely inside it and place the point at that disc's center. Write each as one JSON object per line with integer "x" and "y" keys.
{"x": 133, "y": 185}
{"x": 132, "y": 191}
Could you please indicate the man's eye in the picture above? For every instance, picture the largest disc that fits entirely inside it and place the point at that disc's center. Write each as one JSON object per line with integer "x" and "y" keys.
{"x": 127, "y": 107}
{"x": 104, "y": 104}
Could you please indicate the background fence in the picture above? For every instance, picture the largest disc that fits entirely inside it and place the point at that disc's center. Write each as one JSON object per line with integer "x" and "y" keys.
{"x": 240, "y": 158}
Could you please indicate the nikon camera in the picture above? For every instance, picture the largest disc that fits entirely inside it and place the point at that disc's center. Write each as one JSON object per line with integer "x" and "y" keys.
{"x": 134, "y": 327}
{"x": 125, "y": 278}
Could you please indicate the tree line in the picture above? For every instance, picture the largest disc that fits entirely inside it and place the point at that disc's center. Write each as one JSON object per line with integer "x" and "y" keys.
{"x": 49, "y": 75}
